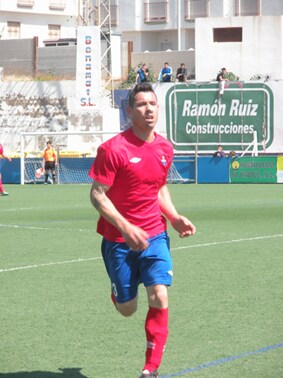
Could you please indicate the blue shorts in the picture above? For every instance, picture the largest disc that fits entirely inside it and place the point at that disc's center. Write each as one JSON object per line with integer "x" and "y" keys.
{"x": 127, "y": 268}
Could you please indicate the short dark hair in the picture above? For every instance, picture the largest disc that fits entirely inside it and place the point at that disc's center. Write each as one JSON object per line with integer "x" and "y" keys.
{"x": 140, "y": 87}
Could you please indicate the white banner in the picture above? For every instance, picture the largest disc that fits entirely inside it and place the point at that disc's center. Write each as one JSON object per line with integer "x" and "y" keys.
{"x": 193, "y": 114}
{"x": 88, "y": 73}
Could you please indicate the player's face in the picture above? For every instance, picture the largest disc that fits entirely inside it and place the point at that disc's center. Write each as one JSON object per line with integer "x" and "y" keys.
{"x": 144, "y": 113}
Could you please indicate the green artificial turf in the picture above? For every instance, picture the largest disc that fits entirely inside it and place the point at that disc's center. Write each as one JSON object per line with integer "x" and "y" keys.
{"x": 56, "y": 316}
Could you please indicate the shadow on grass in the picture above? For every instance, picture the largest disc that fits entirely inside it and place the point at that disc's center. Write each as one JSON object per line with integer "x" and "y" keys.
{"x": 64, "y": 373}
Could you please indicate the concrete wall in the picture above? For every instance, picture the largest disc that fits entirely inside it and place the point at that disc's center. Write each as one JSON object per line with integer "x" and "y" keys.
{"x": 21, "y": 57}
{"x": 32, "y": 106}
{"x": 17, "y": 56}
{"x": 260, "y": 52}
{"x": 58, "y": 61}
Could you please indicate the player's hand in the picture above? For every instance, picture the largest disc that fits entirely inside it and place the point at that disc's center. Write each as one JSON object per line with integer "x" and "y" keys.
{"x": 136, "y": 238}
{"x": 183, "y": 226}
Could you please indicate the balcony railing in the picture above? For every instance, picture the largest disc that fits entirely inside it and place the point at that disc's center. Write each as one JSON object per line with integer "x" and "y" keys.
{"x": 57, "y": 4}
{"x": 25, "y": 3}
{"x": 156, "y": 12}
{"x": 14, "y": 29}
{"x": 196, "y": 8}
{"x": 248, "y": 7}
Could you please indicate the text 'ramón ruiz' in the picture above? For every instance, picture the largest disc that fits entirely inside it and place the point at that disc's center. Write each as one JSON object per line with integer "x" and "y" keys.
{"x": 217, "y": 109}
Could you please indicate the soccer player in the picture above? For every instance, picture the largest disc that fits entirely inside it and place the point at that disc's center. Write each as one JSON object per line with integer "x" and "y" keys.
{"x": 130, "y": 193}
{"x": 49, "y": 162}
{"x": 3, "y": 156}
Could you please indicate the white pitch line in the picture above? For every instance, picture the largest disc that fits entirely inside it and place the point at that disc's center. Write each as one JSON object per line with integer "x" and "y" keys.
{"x": 228, "y": 242}
{"x": 32, "y": 208}
{"x": 172, "y": 249}
{"x": 18, "y": 226}
{"x": 21, "y": 209}
{"x": 49, "y": 264}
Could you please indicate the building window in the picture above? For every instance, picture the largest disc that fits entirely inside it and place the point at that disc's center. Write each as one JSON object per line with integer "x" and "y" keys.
{"x": 61, "y": 42}
{"x": 227, "y": 35}
{"x": 196, "y": 8}
{"x": 57, "y": 4}
{"x": 248, "y": 7}
{"x": 54, "y": 32}
{"x": 25, "y": 3}
{"x": 14, "y": 29}
{"x": 155, "y": 11}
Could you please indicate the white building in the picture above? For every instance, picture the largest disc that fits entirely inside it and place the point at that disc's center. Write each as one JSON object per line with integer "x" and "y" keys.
{"x": 245, "y": 36}
{"x": 46, "y": 19}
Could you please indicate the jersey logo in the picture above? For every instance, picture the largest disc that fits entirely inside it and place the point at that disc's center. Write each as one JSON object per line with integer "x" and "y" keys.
{"x": 135, "y": 160}
{"x": 150, "y": 345}
{"x": 163, "y": 160}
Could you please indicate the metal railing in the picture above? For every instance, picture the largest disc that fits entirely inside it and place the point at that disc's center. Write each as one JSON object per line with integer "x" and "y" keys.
{"x": 25, "y": 3}
{"x": 248, "y": 7}
{"x": 156, "y": 12}
{"x": 196, "y": 8}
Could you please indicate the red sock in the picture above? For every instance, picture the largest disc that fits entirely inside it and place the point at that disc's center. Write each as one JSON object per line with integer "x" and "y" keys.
{"x": 156, "y": 329}
{"x": 1, "y": 186}
{"x": 113, "y": 298}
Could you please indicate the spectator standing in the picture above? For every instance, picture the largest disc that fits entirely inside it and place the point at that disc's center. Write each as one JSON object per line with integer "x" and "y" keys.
{"x": 221, "y": 80}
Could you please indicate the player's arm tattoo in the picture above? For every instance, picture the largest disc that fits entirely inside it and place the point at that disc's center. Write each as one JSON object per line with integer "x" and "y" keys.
{"x": 98, "y": 197}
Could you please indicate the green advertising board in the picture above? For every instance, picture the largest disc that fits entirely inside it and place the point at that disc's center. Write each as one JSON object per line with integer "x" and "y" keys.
{"x": 196, "y": 114}
{"x": 257, "y": 169}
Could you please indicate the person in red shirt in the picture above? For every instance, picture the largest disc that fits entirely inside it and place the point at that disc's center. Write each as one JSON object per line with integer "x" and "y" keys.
{"x": 49, "y": 162}
{"x": 3, "y": 156}
{"x": 130, "y": 193}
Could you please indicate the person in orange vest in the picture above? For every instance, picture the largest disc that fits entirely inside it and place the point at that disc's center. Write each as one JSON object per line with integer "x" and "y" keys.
{"x": 49, "y": 162}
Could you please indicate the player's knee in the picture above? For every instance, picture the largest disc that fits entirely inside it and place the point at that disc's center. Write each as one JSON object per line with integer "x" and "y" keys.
{"x": 158, "y": 296}
{"x": 127, "y": 309}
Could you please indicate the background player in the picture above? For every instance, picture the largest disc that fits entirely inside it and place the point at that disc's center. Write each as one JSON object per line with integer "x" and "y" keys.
{"x": 49, "y": 161}
{"x": 130, "y": 193}
{"x": 3, "y": 156}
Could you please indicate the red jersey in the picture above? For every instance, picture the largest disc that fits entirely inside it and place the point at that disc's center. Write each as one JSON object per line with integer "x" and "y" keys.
{"x": 135, "y": 171}
{"x": 1, "y": 149}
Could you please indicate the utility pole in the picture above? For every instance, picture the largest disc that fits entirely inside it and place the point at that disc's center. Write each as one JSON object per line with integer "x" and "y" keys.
{"x": 98, "y": 13}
